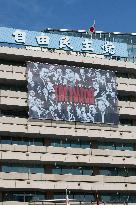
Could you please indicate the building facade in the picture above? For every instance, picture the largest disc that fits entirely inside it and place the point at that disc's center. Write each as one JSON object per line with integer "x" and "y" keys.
{"x": 40, "y": 159}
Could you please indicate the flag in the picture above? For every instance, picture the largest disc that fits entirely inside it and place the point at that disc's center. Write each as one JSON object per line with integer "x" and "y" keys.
{"x": 67, "y": 199}
{"x": 92, "y": 28}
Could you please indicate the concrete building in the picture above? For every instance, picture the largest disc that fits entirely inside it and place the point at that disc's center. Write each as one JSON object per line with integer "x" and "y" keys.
{"x": 40, "y": 159}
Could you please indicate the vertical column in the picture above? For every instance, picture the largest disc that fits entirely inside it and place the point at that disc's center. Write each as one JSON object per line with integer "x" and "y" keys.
{"x": 94, "y": 145}
{"x": 49, "y": 195}
{"x": 134, "y": 124}
{"x": 0, "y": 166}
{"x": 95, "y": 171}
{"x": 47, "y": 141}
{"x": 0, "y": 196}
{"x": 48, "y": 169}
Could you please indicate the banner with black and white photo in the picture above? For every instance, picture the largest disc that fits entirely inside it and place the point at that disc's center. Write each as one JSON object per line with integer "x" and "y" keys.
{"x": 69, "y": 93}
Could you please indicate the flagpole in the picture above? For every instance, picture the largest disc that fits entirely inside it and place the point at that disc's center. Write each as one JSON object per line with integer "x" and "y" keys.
{"x": 67, "y": 200}
{"x": 66, "y": 193}
{"x": 94, "y": 26}
{"x": 97, "y": 198}
{"x": 94, "y": 22}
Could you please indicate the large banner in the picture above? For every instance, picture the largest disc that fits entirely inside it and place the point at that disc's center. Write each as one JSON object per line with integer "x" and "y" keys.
{"x": 69, "y": 93}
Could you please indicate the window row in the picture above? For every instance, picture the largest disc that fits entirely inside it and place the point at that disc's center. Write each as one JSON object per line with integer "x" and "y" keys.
{"x": 126, "y": 97}
{"x": 126, "y": 75}
{"x": 78, "y": 196}
{"x": 24, "y": 114}
{"x": 16, "y": 86}
{"x": 22, "y": 168}
{"x": 67, "y": 169}
{"x": 67, "y": 142}
{"x": 14, "y": 113}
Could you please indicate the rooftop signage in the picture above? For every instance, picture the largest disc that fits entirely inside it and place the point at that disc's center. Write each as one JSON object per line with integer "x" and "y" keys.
{"x": 61, "y": 41}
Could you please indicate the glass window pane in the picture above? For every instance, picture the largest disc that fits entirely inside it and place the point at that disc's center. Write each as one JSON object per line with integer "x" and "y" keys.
{"x": 124, "y": 198}
{"x": 19, "y": 197}
{"x": 17, "y": 140}
{"x": 132, "y": 199}
{"x": 131, "y": 172}
{"x": 108, "y": 171}
{"x": 36, "y": 169}
{"x": 28, "y": 141}
{"x": 6, "y": 140}
{"x": 106, "y": 145}
{"x": 89, "y": 197}
{"x": 105, "y": 172}
{"x": 122, "y": 172}
{"x": 6, "y": 168}
{"x": 76, "y": 171}
{"x": 56, "y": 143}
{"x": 105, "y": 198}
{"x": 67, "y": 171}
{"x": 66, "y": 143}
{"x": 56, "y": 170}
{"x": 87, "y": 172}
{"x": 38, "y": 142}
{"x": 75, "y": 144}
{"x": 59, "y": 196}
{"x": 79, "y": 197}
{"x": 85, "y": 145}
{"x": 115, "y": 198}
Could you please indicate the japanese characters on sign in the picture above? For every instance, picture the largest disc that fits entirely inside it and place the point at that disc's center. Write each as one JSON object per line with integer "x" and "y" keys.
{"x": 70, "y": 93}
{"x": 19, "y": 36}
{"x": 60, "y": 41}
{"x": 108, "y": 47}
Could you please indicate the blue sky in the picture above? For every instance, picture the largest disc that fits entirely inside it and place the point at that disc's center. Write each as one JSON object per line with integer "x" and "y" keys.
{"x": 110, "y": 15}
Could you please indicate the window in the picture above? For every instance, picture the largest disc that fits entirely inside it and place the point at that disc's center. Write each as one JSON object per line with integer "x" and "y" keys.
{"x": 28, "y": 141}
{"x": 118, "y": 198}
{"x": 106, "y": 145}
{"x": 123, "y": 146}
{"x": 85, "y": 144}
{"x": 128, "y": 122}
{"x": 122, "y": 172}
{"x": 59, "y": 195}
{"x": 38, "y": 142}
{"x": 6, "y": 140}
{"x": 108, "y": 171}
{"x": 75, "y": 144}
{"x": 66, "y": 143}
{"x": 22, "y": 141}
{"x": 79, "y": 197}
{"x": 22, "y": 168}
{"x": 17, "y": 140}
{"x": 14, "y": 113}
{"x": 115, "y": 146}
{"x": 15, "y": 86}
{"x": 131, "y": 171}
{"x": 72, "y": 170}
{"x": 23, "y": 196}
{"x": 56, "y": 170}
{"x": 89, "y": 197}
{"x": 56, "y": 143}
{"x": 132, "y": 199}
{"x": 70, "y": 143}
{"x": 110, "y": 197}
{"x": 88, "y": 171}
